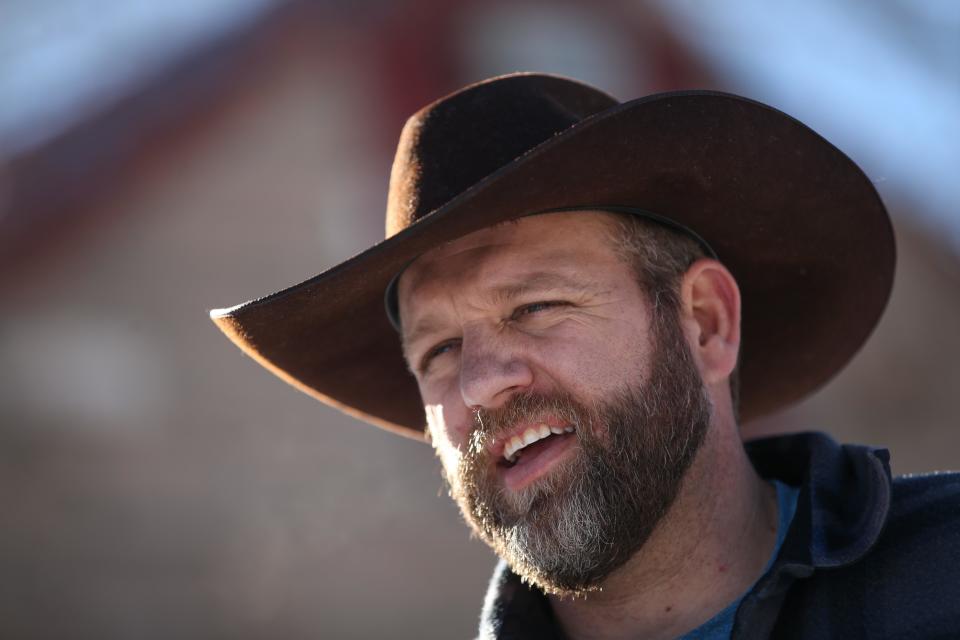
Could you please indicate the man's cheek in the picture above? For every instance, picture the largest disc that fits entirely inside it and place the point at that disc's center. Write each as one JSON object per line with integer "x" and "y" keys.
{"x": 448, "y": 444}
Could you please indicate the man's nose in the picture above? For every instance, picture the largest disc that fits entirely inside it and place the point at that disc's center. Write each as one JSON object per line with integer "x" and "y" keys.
{"x": 491, "y": 370}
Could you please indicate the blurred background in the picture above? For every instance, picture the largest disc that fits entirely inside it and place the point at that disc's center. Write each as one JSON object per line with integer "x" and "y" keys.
{"x": 158, "y": 159}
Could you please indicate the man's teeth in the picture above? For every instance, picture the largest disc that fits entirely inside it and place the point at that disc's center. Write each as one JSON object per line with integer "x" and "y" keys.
{"x": 528, "y": 437}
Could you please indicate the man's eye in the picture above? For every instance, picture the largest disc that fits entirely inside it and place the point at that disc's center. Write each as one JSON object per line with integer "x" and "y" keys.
{"x": 438, "y": 350}
{"x": 535, "y": 307}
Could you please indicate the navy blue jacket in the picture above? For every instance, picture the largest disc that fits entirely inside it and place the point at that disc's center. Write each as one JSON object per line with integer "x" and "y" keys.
{"x": 865, "y": 557}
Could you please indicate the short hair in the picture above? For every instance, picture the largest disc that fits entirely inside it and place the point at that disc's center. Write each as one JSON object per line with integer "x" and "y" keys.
{"x": 659, "y": 256}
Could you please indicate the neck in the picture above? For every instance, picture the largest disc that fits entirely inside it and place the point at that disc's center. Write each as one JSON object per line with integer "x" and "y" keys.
{"x": 711, "y": 547}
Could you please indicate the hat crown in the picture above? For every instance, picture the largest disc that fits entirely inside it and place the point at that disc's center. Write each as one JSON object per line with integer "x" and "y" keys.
{"x": 452, "y": 144}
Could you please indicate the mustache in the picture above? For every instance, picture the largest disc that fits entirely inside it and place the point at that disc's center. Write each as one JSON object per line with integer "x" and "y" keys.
{"x": 488, "y": 424}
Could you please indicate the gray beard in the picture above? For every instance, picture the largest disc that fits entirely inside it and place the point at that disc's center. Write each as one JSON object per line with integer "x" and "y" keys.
{"x": 567, "y": 532}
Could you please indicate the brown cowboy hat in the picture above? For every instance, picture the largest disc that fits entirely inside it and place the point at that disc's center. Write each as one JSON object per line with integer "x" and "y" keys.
{"x": 795, "y": 220}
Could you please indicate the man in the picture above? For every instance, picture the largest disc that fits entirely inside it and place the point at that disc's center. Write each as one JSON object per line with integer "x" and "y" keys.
{"x": 566, "y": 279}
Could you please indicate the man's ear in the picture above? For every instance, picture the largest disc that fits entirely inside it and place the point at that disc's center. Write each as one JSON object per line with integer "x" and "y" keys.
{"x": 710, "y": 308}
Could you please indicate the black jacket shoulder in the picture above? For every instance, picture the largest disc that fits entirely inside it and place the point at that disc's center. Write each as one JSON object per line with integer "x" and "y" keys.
{"x": 906, "y": 586}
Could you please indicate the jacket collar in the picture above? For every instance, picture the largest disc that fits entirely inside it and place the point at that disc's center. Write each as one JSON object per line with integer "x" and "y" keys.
{"x": 844, "y": 498}
{"x": 843, "y": 505}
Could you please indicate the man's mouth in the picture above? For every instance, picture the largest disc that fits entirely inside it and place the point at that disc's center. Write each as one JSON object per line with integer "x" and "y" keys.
{"x": 533, "y": 454}
{"x": 516, "y": 447}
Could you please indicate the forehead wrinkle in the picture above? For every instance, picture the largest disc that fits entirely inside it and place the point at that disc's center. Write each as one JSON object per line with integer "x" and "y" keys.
{"x": 540, "y": 282}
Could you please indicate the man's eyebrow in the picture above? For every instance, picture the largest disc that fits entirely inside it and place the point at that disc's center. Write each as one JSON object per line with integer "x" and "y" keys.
{"x": 531, "y": 283}
{"x": 425, "y": 327}
{"x": 538, "y": 282}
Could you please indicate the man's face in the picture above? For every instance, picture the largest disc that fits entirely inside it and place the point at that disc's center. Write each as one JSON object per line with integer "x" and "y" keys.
{"x": 564, "y": 410}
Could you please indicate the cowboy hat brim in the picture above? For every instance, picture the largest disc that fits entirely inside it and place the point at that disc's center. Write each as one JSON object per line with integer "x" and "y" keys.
{"x": 798, "y": 224}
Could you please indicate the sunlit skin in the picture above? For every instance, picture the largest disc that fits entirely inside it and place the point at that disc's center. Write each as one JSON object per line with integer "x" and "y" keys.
{"x": 544, "y": 304}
